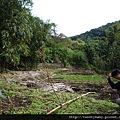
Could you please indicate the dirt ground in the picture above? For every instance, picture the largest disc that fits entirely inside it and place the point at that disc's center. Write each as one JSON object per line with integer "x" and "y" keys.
{"x": 102, "y": 91}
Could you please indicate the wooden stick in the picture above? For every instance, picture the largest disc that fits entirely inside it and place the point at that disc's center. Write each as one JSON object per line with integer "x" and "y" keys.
{"x": 68, "y": 102}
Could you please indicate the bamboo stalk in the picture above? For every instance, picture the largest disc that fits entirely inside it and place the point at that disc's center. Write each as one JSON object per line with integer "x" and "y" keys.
{"x": 68, "y": 102}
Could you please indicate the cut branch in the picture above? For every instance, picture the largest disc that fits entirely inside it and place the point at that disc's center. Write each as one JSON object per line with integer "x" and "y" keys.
{"x": 68, "y": 102}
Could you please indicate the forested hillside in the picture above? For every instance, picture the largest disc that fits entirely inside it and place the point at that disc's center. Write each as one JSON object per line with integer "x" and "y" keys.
{"x": 102, "y": 45}
{"x": 26, "y": 41}
{"x": 94, "y": 33}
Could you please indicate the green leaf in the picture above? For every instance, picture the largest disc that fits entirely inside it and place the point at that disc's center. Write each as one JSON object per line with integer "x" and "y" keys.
{"x": 2, "y": 95}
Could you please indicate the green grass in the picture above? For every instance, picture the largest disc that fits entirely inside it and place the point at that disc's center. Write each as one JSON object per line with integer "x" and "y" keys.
{"x": 82, "y": 78}
{"x": 88, "y": 106}
{"x": 42, "y": 102}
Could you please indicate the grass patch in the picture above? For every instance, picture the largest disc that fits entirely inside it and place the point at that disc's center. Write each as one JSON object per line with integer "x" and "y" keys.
{"x": 87, "y": 105}
{"x": 24, "y": 100}
{"x": 80, "y": 78}
{"x": 42, "y": 102}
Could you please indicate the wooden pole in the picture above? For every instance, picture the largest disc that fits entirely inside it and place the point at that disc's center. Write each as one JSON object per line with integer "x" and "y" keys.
{"x": 68, "y": 102}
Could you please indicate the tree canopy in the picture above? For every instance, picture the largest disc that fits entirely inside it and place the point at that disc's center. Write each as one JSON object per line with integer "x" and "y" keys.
{"x": 26, "y": 40}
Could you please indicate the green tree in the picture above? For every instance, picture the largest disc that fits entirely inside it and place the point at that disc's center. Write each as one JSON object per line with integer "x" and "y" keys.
{"x": 15, "y": 31}
{"x": 113, "y": 35}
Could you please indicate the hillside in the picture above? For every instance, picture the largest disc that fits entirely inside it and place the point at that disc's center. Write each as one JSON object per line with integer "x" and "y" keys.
{"x": 93, "y": 33}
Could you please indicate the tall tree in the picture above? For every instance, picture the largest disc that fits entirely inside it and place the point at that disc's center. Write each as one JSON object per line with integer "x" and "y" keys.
{"x": 15, "y": 31}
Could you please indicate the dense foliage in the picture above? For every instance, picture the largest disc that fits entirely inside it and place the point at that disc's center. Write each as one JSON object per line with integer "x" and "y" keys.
{"x": 103, "y": 49}
{"x": 21, "y": 34}
{"x": 25, "y": 41}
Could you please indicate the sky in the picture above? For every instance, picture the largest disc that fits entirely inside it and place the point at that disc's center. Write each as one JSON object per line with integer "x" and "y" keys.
{"x": 74, "y": 17}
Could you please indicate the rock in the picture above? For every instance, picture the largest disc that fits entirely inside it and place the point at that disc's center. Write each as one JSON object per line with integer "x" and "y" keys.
{"x": 59, "y": 87}
{"x": 118, "y": 101}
